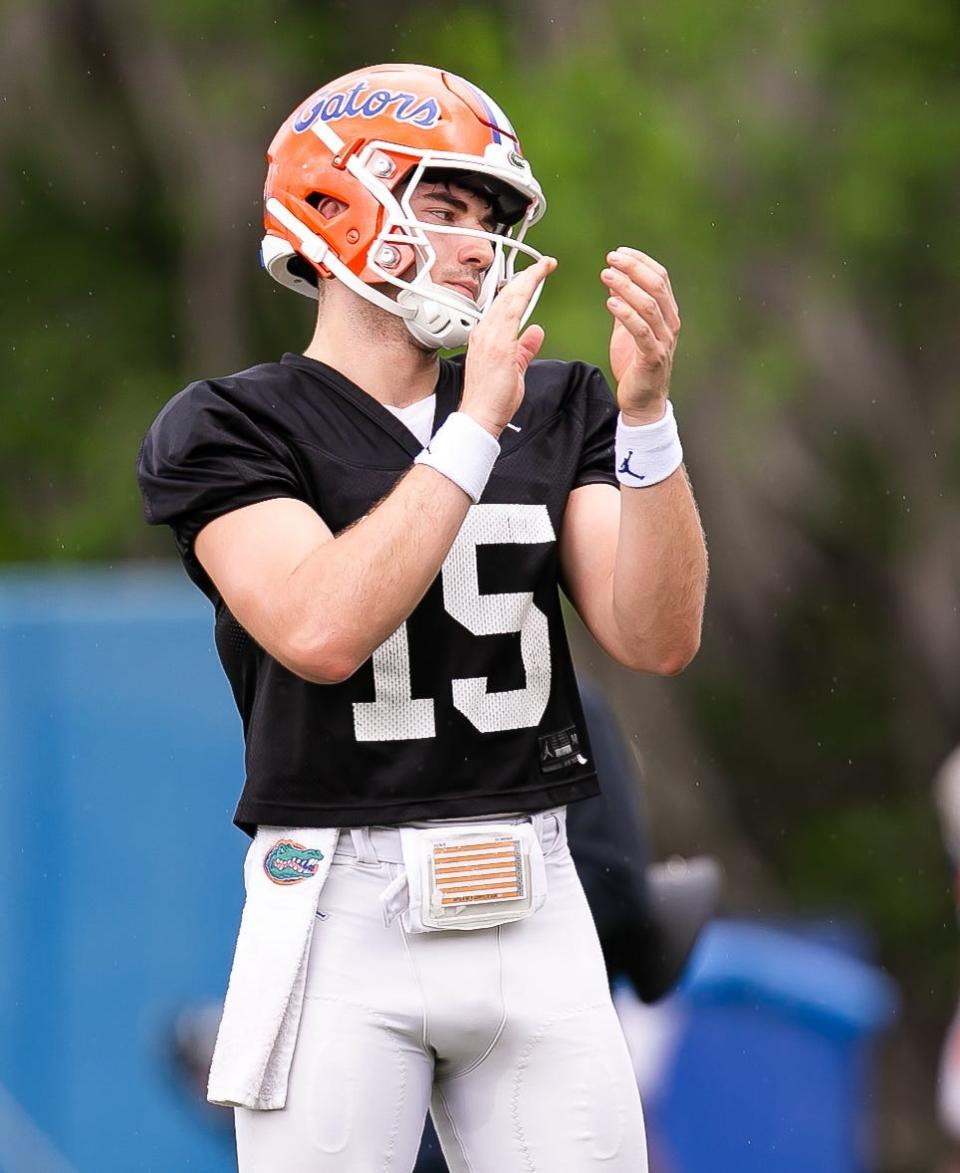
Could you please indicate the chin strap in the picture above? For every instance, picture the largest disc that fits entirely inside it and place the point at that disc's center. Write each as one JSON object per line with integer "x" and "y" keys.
{"x": 434, "y": 324}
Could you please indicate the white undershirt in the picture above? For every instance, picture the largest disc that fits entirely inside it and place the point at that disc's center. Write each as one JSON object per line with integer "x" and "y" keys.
{"x": 417, "y": 417}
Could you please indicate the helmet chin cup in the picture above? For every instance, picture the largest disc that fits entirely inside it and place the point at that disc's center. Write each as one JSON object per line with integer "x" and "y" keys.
{"x": 436, "y": 325}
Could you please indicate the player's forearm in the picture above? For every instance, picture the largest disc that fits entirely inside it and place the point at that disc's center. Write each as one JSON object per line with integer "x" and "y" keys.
{"x": 659, "y": 577}
{"x": 353, "y": 592}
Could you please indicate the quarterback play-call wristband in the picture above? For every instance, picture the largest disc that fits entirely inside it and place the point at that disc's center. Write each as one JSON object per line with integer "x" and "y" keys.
{"x": 648, "y": 453}
{"x": 464, "y": 452}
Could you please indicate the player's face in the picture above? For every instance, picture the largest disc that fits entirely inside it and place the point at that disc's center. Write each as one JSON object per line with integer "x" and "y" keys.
{"x": 461, "y": 261}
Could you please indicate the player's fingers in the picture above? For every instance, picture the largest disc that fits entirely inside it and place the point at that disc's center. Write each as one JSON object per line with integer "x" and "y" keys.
{"x": 510, "y": 303}
{"x": 528, "y": 346}
{"x": 520, "y": 288}
{"x": 661, "y": 274}
{"x": 645, "y": 304}
{"x": 650, "y": 275}
{"x": 654, "y": 352}
{"x": 650, "y": 262}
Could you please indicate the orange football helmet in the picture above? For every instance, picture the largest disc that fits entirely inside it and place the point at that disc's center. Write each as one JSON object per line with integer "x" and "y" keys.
{"x": 366, "y": 140}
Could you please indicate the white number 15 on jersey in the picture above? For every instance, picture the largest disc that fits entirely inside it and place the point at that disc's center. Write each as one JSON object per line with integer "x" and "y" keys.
{"x": 395, "y": 715}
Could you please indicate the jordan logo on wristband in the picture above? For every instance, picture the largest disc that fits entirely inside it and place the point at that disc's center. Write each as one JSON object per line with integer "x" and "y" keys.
{"x": 627, "y": 470}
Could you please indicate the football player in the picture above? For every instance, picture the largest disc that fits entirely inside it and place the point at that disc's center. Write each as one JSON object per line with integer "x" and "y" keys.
{"x": 383, "y": 533}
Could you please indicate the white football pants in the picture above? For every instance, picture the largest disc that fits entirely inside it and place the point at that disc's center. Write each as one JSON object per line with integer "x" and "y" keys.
{"x": 507, "y": 1034}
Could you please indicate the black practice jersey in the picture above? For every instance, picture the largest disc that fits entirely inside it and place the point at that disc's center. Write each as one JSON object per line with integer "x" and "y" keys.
{"x": 470, "y": 707}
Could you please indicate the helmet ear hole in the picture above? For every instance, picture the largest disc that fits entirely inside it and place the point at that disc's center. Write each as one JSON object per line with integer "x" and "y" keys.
{"x": 327, "y": 205}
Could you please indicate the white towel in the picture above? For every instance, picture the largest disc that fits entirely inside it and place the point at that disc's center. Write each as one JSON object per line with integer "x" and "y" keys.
{"x": 284, "y": 871}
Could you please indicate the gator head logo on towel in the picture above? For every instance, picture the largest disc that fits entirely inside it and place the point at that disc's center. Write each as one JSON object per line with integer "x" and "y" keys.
{"x": 288, "y": 863}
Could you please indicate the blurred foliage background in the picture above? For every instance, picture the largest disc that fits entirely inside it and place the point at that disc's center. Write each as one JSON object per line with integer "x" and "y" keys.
{"x": 795, "y": 164}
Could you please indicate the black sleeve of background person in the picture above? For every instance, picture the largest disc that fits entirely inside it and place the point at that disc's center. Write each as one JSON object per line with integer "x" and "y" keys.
{"x": 607, "y": 834}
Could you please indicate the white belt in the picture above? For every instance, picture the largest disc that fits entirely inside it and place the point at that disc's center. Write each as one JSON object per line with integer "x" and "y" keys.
{"x": 383, "y": 844}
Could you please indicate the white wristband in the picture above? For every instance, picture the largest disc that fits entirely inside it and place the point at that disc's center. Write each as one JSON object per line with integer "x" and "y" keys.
{"x": 647, "y": 453}
{"x": 464, "y": 452}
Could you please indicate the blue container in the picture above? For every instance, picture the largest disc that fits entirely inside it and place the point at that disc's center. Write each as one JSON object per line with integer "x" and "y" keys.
{"x": 771, "y": 1074}
{"x": 120, "y": 761}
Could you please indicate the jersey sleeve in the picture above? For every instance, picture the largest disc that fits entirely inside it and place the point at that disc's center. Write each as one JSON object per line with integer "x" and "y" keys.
{"x": 203, "y": 457}
{"x": 600, "y": 424}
